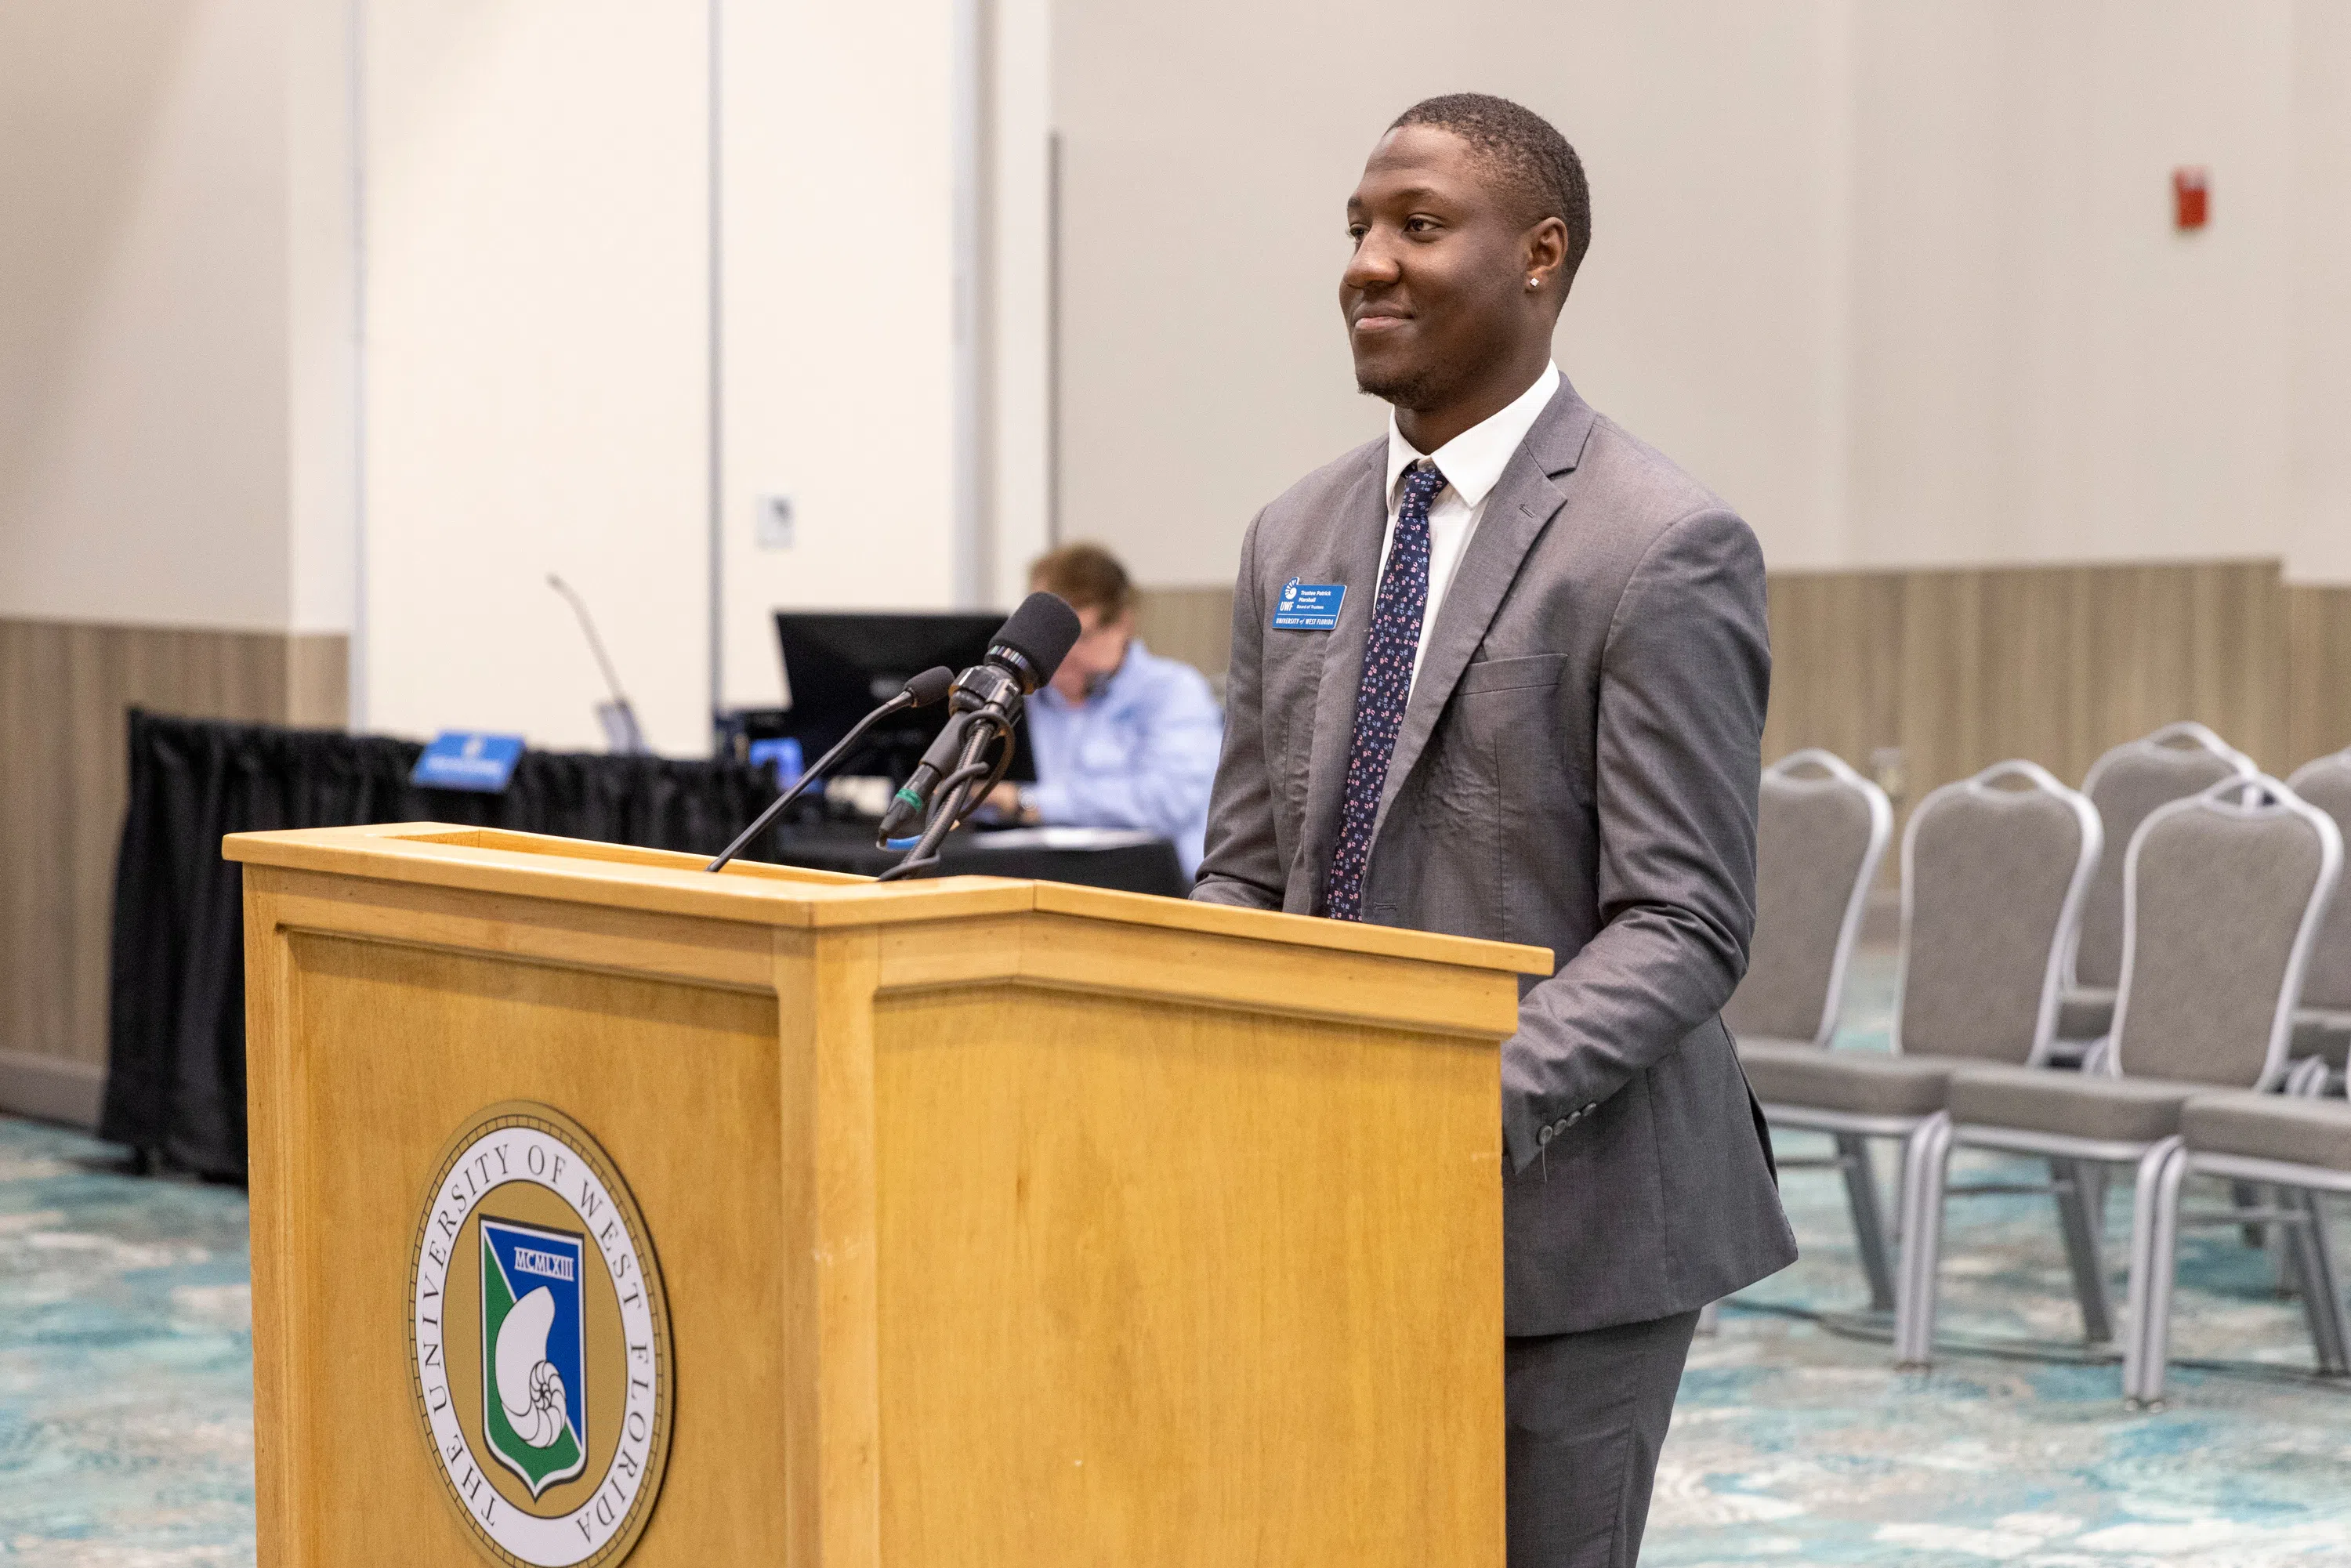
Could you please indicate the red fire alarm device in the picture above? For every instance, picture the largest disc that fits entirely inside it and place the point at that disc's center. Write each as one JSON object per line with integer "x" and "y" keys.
{"x": 2190, "y": 198}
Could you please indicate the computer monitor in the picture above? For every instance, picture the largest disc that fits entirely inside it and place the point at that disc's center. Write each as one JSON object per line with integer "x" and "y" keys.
{"x": 838, "y": 667}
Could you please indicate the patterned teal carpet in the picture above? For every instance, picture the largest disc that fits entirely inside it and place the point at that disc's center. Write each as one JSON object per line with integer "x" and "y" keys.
{"x": 126, "y": 1426}
{"x": 126, "y": 1362}
{"x": 1794, "y": 1443}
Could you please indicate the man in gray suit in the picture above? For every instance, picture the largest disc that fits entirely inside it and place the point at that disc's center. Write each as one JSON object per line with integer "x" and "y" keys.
{"x": 1502, "y": 673}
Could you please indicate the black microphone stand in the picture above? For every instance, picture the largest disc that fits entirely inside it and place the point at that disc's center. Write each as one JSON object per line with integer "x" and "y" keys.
{"x": 825, "y": 764}
{"x": 954, "y": 794}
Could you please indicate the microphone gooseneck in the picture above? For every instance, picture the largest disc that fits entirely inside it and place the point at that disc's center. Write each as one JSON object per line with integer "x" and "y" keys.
{"x": 595, "y": 643}
{"x": 622, "y": 732}
{"x": 921, "y": 692}
{"x": 985, "y": 703}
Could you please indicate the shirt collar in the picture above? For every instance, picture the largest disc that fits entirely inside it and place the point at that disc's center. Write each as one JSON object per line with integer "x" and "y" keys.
{"x": 1050, "y": 694}
{"x": 1473, "y": 461}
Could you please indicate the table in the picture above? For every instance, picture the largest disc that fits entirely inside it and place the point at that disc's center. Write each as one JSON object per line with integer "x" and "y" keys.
{"x": 1091, "y": 857}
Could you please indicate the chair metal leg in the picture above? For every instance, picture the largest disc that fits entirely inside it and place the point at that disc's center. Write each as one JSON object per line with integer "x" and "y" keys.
{"x": 1926, "y": 1158}
{"x": 2093, "y": 1195}
{"x": 2074, "y": 1186}
{"x": 2155, "y": 1247}
{"x": 1868, "y": 1220}
{"x": 2285, "y": 1266}
{"x": 2322, "y": 1295}
{"x": 2245, "y": 1194}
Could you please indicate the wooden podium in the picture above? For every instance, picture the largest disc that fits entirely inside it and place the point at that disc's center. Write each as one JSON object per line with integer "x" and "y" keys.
{"x": 969, "y": 1221}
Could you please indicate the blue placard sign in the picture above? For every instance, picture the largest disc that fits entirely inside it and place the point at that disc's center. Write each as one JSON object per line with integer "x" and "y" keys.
{"x": 784, "y": 756}
{"x": 1309, "y": 606}
{"x": 460, "y": 759}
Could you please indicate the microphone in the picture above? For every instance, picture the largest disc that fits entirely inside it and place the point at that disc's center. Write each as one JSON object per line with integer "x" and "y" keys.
{"x": 1022, "y": 656}
{"x": 622, "y": 734}
{"x": 932, "y": 685}
{"x": 921, "y": 692}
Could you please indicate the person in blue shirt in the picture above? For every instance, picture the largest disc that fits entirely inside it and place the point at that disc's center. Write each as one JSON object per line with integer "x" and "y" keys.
{"x": 1122, "y": 737}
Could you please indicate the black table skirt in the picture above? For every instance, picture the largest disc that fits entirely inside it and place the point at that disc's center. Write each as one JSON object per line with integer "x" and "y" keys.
{"x": 176, "y": 1068}
{"x": 175, "y": 1064}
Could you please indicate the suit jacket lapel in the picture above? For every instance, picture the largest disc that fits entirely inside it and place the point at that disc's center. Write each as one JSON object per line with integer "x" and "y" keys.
{"x": 1521, "y": 506}
{"x": 1355, "y": 560}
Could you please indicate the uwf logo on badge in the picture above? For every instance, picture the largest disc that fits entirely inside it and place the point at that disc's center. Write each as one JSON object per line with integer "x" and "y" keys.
{"x": 1309, "y": 606}
{"x": 540, "y": 1343}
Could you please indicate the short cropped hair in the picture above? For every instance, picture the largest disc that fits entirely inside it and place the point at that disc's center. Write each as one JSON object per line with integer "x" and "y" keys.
{"x": 1535, "y": 163}
{"x": 1088, "y": 577}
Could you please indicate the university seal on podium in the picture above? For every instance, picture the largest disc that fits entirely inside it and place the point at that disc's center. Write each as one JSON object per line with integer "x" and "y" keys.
{"x": 539, "y": 1342}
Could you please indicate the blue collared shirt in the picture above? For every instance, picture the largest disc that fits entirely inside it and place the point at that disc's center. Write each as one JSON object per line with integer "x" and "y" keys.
{"x": 1141, "y": 753}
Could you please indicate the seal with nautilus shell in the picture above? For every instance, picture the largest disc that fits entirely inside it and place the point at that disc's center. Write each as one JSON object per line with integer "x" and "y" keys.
{"x": 538, "y": 1340}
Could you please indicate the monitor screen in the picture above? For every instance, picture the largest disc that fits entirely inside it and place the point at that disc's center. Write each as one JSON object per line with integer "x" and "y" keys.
{"x": 839, "y": 667}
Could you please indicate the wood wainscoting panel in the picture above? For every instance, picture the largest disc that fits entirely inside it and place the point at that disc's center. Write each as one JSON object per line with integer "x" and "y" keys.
{"x": 1958, "y": 668}
{"x": 2318, "y": 652}
{"x": 64, "y": 691}
{"x": 1836, "y": 664}
{"x": 1939, "y": 673}
{"x": 1194, "y": 624}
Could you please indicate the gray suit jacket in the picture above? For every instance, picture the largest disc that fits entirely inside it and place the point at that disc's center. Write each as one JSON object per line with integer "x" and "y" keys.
{"x": 1577, "y": 770}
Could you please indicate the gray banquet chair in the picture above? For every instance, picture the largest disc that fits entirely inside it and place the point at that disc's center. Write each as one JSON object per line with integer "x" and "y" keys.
{"x": 2126, "y": 785}
{"x": 2323, "y": 1024}
{"x": 1993, "y": 870}
{"x": 2222, "y": 896}
{"x": 2297, "y": 1145}
{"x": 1820, "y": 831}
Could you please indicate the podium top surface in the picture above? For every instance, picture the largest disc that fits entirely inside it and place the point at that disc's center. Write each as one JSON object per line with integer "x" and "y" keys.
{"x": 576, "y": 871}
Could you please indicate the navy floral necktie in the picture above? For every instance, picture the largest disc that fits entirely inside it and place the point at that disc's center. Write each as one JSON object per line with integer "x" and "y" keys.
{"x": 1380, "y": 696}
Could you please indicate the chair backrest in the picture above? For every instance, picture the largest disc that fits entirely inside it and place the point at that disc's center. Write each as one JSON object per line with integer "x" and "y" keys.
{"x": 2125, "y": 785}
{"x": 1820, "y": 831}
{"x": 1995, "y": 868}
{"x": 2326, "y": 784}
{"x": 2222, "y": 896}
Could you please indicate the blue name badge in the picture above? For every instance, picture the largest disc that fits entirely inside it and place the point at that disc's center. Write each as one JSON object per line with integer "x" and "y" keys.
{"x": 1309, "y": 606}
{"x": 460, "y": 759}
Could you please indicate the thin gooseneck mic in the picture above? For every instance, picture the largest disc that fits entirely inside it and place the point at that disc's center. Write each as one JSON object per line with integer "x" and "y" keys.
{"x": 921, "y": 692}
{"x": 621, "y": 730}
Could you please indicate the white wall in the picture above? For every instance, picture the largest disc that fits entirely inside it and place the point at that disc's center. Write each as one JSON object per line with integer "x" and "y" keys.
{"x": 535, "y": 396}
{"x": 1204, "y": 366}
{"x": 321, "y": 304}
{"x": 1900, "y": 280}
{"x": 1020, "y": 293}
{"x": 539, "y": 339}
{"x": 840, "y": 332}
{"x": 2044, "y": 368}
{"x": 2318, "y": 295}
{"x": 838, "y": 314}
{"x": 144, "y": 331}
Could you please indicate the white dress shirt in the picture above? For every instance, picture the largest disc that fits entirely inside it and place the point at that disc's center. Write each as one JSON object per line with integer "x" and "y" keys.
{"x": 1472, "y": 464}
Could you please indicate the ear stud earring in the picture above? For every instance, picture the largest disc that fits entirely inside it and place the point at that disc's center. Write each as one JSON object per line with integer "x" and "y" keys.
{"x": 1534, "y": 283}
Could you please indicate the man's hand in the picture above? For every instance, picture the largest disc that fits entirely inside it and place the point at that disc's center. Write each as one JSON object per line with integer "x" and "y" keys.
{"x": 1005, "y": 800}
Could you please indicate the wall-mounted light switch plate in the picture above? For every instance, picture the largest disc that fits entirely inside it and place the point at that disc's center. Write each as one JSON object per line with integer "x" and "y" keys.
{"x": 772, "y": 522}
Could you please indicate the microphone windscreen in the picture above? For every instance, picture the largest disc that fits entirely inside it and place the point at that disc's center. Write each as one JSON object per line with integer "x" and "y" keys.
{"x": 931, "y": 686}
{"x": 1042, "y": 631}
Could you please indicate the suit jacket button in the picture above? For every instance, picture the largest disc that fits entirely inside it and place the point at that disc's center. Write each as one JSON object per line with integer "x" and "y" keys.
{"x": 1545, "y": 1136}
